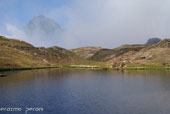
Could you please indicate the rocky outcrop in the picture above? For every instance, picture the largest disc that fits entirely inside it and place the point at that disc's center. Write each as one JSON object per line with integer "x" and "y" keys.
{"x": 17, "y": 53}
{"x": 108, "y": 54}
{"x": 152, "y": 55}
{"x": 153, "y": 40}
{"x": 136, "y": 55}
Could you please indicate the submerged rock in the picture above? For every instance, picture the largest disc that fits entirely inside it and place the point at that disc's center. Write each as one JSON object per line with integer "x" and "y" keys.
{"x": 2, "y": 75}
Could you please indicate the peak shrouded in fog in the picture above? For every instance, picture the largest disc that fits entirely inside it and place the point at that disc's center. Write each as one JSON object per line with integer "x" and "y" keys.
{"x": 45, "y": 31}
{"x": 76, "y": 23}
{"x": 42, "y": 24}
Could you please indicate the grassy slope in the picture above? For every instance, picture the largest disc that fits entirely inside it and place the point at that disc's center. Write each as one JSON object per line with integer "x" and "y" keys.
{"x": 108, "y": 54}
{"x": 13, "y": 58}
{"x": 19, "y": 54}
{"x": 16, "y": 53}
{"x": 86, "y": 52}
{"x": 154, "y": 56}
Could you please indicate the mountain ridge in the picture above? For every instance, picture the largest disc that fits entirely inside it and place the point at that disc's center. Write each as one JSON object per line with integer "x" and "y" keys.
{"x": 18, "y": 53}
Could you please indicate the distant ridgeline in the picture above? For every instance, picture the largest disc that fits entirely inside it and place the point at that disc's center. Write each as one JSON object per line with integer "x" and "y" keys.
{"x": 153, "y": 40}
{"x": 17, "y": 53}
{"x": 155, "y": 53}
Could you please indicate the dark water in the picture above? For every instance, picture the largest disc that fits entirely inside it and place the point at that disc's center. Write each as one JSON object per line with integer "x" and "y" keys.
{"x": 66, "y": 91}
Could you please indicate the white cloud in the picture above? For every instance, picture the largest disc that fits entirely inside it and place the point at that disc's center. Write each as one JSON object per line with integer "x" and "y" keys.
{"x": 14, "y": 31}
{"x": 109, "y": 23}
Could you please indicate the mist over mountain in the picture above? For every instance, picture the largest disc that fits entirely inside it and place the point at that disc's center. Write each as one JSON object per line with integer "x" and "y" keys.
{"x": 42, "y": 24}
{"x": 45, "y": 31}
{"x": 105, "y": 23}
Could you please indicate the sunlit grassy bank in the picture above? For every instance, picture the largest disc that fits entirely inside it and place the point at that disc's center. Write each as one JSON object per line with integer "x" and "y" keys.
{"x": 146, "y": 68}
{"x": 86, "y": 67}
{"x": 61, "y": 66}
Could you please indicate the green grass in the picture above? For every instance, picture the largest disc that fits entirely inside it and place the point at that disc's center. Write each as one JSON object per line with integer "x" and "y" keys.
{"x": 28, "y": 68}
{"x": 84, "y": 67}
{"x": 146, "y": 68}
{"x": 61, "y": 66}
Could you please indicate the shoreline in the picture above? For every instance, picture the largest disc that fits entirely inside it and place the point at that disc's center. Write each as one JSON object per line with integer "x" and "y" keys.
{"x": 147, "y": 68}
{"x": 61, "y": 66}
{"x": 84, "y": 67}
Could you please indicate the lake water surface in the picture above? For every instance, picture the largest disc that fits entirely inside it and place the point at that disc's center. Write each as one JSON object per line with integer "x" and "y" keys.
{"x": 76, "y": 91}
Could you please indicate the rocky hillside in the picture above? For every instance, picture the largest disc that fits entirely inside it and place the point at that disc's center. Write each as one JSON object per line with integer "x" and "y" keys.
{"x": 136, "y": 55}
{"x": 149, "y": 56}
{"x": 16, "y": 53}
{"x": 86, "y": 52}
{"x": 108, "y": 54}
{"x": 153, "y": 55}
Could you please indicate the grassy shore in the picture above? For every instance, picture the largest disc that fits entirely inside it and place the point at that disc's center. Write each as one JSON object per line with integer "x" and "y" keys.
{"x": 60, "y": 66}
{"x": 26, "y": 68}
{"x": 146, "y": 68}
{"x": 85, "y": 67}
{"x": 88, "y": 67}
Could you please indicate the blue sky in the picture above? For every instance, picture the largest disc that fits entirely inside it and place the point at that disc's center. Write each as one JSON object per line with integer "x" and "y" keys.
{"x": 106, "y": 23}
{"x": 22, "y": 11}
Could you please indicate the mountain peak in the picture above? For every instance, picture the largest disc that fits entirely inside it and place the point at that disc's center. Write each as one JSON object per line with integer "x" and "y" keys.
{"x": 44, "y": 29}
{"x": 42, "y": 23}
{"x": 153, "y": 40}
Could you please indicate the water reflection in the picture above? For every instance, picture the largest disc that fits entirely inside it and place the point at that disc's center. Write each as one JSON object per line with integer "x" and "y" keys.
{"x": 72, "y": 91}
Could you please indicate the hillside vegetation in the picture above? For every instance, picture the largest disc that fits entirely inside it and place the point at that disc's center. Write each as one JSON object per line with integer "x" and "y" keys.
{"x": 16, "y": 53}
{"x": 107, "y": 54}
{"x": 154, "y": 55}
{"x": 86, "y": 52}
